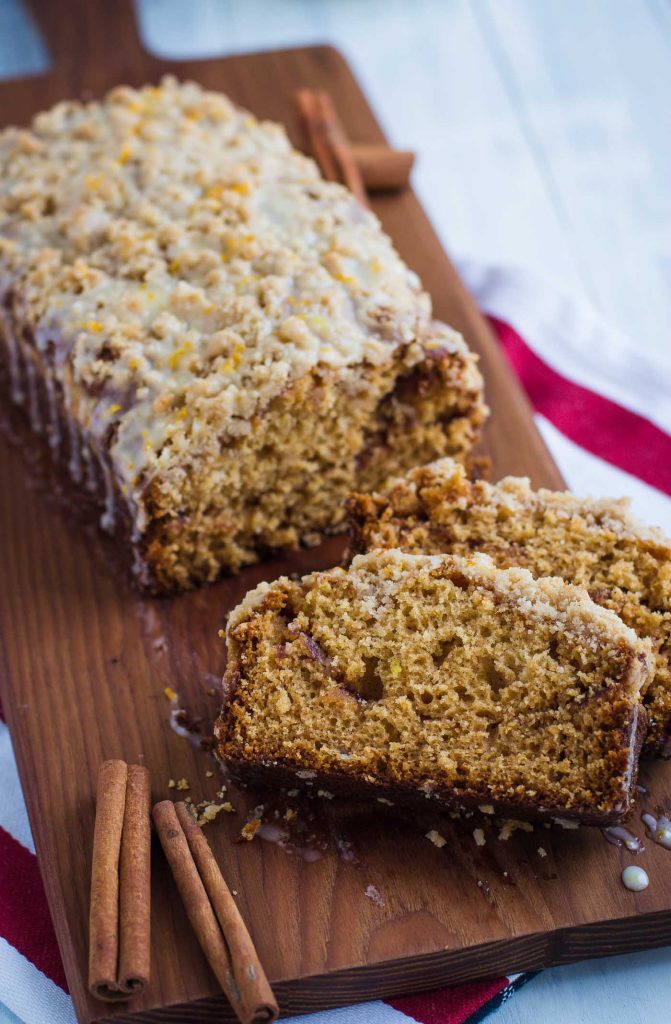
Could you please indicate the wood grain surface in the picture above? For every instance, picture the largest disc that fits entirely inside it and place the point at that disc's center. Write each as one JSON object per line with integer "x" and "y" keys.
{"x": 85, "y": 661}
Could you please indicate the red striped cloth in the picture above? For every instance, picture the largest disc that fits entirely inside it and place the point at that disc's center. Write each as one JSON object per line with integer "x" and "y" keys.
{"x": 608, "y": 431}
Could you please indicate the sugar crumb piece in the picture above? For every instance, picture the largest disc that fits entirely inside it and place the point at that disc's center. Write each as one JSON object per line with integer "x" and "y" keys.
{"x": 209, "y": 774}
{"x": 209, "y": 813}
{"x": 486, "y": 808}
{"x": 171, "y": 783}
{"x": 542, "y": 852}
{"x": 325, "y": 793}
{"x": 183, "y": 784}
{"x": 479, "y": 836}
{"x": 383, "y": 800}
{"x": 249, "y": 830}
{"x": 374, "y": 895}
{"x": 289, "y": 814}
{"x": 436, "y": 838}
{"x": 510, "y": 825}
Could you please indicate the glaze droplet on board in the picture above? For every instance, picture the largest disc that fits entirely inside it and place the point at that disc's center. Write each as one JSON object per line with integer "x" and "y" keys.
{"x": 634, "y": 878}
{"x": 659, "y": 829}
{"x": 618, "y": 835}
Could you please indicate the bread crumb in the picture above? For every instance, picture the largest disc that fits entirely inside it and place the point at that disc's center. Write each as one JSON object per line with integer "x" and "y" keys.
{"x": 170, "y": 693}
{"x": 436, "y": 838}
{"x": 511, "y": 824}
{"x": 183, "y": 784}
{"x": 542, "y": 852}
{"x": 171, "y": 783}
{"x": 486, "y": 808}
{"x": 209, "y": 775}
{"x": 249, "y": 830}
{"x": 209, "y": 813}
{"x": 479, "y": 836}
{"x": 565, "y": 823}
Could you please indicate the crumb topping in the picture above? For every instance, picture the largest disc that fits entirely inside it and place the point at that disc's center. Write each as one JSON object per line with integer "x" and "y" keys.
{"x": 181, "y": 264}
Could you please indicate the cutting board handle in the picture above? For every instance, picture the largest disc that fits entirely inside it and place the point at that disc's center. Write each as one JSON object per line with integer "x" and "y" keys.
{"x": 92, "y": 43}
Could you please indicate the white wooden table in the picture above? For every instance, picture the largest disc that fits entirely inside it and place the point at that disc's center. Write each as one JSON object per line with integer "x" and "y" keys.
{"x": 544, "y": 134}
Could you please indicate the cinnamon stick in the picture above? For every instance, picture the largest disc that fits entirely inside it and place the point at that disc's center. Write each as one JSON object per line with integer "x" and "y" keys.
{"x": 135, "y": 883}
{"x": 328, "y": 142}
{"x": 360, "y": 166}
{"x": 119, "y": 916}
{"x": 318, "y": 143}
{"x": 213, "y": 914}
{"x": 340, "y": 147}
{"x": 382, "y": 168}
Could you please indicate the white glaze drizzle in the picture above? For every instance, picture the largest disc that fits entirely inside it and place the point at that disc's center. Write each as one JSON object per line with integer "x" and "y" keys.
{"x": 54, "y": 419}
{"x": 13, "y": 356}
{"x": 108, "y": 518}
{"x": 74, "y": 462}
{"x": 33, "y": 398}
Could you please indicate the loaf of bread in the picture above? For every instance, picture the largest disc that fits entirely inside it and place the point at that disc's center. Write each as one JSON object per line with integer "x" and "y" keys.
{"x": 415, "y": 678}
{"x": 596, "y": 544}
{"x": 216, "y": 342}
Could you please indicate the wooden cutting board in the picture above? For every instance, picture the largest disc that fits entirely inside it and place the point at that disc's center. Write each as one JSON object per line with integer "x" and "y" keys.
{"x": 84, "y": 662}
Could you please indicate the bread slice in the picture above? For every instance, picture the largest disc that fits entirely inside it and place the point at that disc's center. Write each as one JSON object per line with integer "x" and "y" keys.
{"x": 412, "y": 677}
{"x": 596, "y": 544}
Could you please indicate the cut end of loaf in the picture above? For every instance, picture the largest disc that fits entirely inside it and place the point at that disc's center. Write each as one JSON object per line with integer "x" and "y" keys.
{"x": 437, "y": 678}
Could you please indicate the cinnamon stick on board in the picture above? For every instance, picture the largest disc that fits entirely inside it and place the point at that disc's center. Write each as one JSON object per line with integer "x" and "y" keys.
{"x": 382, "y": 168}
{"x": 327, "y": 141}
{"x": 318, "y": 142}
{"x": 213, "y": 913}
{"x": 119, "y": 921}
{"x": 340, "y": 147}
{"x": 360, "y": 166}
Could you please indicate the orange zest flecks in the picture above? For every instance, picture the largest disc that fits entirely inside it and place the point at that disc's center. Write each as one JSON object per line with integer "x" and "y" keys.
{"x": 344, "y": 278}
{"x": 93, "y": 182}
{"x": 176, "y": 357}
